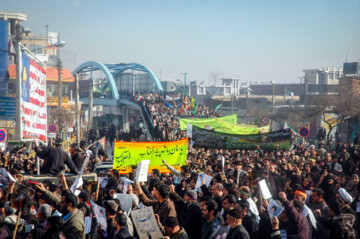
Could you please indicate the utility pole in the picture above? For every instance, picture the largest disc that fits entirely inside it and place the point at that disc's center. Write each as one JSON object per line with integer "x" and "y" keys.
{"x": 232, "y": 104}
{"x": 185, "y": 73}
{"x": 59, "y": 76}
{"x": 91, "y": 104}
{"x": 18, "y": 82}
{"x": 77, "y": 118}
{"x": 306, "y": 98}
{"x": 273, "y": 98}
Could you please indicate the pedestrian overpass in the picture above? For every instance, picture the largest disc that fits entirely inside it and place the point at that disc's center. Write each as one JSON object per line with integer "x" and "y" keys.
{"x": 112, "y": 86}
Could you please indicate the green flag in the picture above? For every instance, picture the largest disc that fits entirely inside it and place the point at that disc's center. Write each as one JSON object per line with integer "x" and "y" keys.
{"x": 217, "y": 107}
{"x": 194, "y": 110}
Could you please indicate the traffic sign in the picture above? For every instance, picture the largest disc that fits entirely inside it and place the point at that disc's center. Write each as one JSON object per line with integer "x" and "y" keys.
{"x": 52, "y": 135}
{"x": 265, "y": 120}
{"x": 2, "y": 135}
{"x": 304, "y": 132}
{"x": 52, "y": 128}
{"x": 248, "y": 114}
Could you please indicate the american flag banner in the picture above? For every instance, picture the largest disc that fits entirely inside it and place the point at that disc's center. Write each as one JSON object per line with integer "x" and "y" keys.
{"x": 33, "y": 98}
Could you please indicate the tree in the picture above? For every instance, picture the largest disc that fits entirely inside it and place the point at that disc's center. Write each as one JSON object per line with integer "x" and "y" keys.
{"x": 61, "y": 117}
{"x": 345, "y": 104}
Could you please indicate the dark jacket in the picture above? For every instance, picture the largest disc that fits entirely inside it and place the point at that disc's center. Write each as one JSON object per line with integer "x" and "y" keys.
{"x": 191, "y": 216}
{"x": 209, "y": 229}
{"x": 238, "y": 232}
{"x": 251, "y": 226}
{"x": 78, "y": 161}
{"x": 123, "y": 233}
{"x": 55, "y": 160}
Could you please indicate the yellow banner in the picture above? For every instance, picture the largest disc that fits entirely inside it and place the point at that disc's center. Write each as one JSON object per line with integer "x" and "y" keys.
{"x": 202, "y": 122}
{"x": 127, "y": 154}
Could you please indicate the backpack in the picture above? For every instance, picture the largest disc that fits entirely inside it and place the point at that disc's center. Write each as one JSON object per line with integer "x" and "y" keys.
{"x": 344, "y": 226}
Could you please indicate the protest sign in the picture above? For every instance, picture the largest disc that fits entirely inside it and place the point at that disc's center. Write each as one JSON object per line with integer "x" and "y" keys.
{"x": 189, "y": 130}
{"x": 93, "y": 188}
{"x": 274, "y": 209}
{"x": 88, "y": 224}
{"x": 77, "y": 183}
{"x": 145, "y": 223}
{"x": 264, "y": 189}
{"x": 202, "y": 177}
{"x": 127, "y": 154}
{"x": 126, "y": 201}
{"x": 124, "y": 184}
{"x": 100, "y": 215}
{"x": 103, "y": 181}
{"x": 142, "y": 171}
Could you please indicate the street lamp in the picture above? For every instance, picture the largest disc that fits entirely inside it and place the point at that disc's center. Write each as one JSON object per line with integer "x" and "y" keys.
{"x": 59, "y": 44}
{"x": 273, "y": 97}
{"x": 184, "y": 73}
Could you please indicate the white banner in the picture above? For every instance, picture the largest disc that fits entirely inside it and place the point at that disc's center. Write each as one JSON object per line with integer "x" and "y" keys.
{"x": 33, "y": 98}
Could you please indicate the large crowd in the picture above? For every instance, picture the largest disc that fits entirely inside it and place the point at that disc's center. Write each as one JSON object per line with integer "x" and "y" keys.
{"x": 314, "y": 189}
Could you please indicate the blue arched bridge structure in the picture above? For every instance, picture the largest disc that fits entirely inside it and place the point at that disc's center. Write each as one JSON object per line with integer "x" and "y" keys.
{"x": 114, "y": 84}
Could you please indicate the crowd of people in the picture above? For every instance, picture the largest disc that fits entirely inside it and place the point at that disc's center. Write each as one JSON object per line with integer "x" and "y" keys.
{"x": 313, "y": 191}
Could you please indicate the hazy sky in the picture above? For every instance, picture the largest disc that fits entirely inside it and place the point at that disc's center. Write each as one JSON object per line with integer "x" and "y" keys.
{"x": 257, "y": 40}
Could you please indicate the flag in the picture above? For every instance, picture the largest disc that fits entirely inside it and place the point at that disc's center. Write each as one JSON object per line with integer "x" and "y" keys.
{"x": 286, "y": 126}
{"x": 139, "y": 98}
{"x": 167, "y": 104}
{"x": 194, "y": 110}
{"x": 218, "y": 106}
{"x": 181, "y": 109}
{"x": 192, "y": 104}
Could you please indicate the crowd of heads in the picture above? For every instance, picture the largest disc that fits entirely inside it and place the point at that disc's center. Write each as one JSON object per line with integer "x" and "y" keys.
{"x": 314, "y": 187}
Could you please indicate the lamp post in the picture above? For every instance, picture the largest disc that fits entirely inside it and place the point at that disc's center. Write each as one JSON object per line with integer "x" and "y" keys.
{"x": 59, "y": 45}
{"x": 273, "y": 97}
{"x": 184, "y": 73}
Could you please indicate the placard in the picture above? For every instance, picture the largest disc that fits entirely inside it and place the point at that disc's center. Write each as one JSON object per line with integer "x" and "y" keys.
{"x": 126, "y": 201}
{"x": 145, "y": 223}
{"x": 274, "y": 209}
{"x": 201, "y": 177}
{"x": 264, "y": 189}
{"x": 142, "y": 171}
{"x": 99, "y": 215}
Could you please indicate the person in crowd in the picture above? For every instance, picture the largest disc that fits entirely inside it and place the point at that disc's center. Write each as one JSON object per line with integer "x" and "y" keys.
{"x": 162, "y": 204}
{"x": 55, "y": 159}
{"x": 73, "y": 218}
{"x": 234, "y": 220}
{"x": 75, "y": 155}
{"x": 209, "y": 211}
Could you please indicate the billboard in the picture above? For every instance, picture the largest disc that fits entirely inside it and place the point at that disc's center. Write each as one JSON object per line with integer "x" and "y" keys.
{"x": 7, "y": 108}
{"x": 33, "y": 98}
{"x": 351, "y": 68}
{"x": 4, "y": 56}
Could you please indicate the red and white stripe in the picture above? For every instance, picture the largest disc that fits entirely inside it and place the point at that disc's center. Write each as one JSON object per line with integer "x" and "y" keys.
{"x": 34, "y": 115}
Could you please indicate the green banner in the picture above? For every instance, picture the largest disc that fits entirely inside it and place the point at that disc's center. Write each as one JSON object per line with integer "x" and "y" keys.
{"x": 210, "y": 139}
{"x": 224, "y": 125}
{"x": 202, "y": 122}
